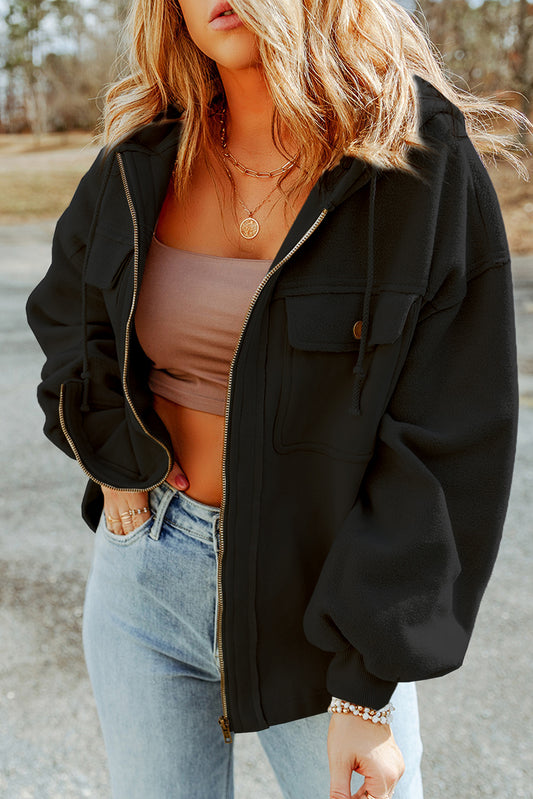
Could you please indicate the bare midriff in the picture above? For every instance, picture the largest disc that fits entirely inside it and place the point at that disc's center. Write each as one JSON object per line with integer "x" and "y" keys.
{"x": 198, "y": 441}
{"x": 198, "y": 436}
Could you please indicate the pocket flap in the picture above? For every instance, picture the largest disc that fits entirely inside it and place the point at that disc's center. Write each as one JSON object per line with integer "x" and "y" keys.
{"x": 325, "y": 321}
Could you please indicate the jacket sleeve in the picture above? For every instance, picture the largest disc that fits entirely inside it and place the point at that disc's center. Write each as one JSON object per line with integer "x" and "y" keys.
{"x": 399, "y": 591}
{"x": 54, "y": 307}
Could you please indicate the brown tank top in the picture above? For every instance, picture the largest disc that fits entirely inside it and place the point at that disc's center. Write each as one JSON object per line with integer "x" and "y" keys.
{"x": 189, "y": 314}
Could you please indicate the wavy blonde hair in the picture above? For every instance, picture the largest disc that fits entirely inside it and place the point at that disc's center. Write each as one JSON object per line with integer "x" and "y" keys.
{"x": 340, "y": 73}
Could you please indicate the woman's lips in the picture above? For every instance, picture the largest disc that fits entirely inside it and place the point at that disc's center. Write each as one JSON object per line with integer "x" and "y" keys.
{"x": 225, "y": 22}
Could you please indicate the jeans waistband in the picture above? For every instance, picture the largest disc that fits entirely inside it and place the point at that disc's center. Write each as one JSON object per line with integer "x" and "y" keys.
{"x": 170, "y": 501}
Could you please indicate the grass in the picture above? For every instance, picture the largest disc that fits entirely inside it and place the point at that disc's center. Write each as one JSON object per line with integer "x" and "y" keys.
{"x": 37, "y": 180}
{"x": 32, "y": 196}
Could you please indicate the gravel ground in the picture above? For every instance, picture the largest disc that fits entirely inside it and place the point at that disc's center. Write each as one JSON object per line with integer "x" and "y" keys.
{"x": 473, "y": 720}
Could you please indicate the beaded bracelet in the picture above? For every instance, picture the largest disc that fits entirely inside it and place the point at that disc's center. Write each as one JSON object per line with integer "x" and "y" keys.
{"x": 382, "y": 716}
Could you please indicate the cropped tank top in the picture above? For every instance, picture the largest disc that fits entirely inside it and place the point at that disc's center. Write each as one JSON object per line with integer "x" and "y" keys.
{"x": 190, "y": 311}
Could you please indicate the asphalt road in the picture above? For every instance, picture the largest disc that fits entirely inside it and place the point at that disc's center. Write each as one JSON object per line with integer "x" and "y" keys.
{"x": 476, "y": 722}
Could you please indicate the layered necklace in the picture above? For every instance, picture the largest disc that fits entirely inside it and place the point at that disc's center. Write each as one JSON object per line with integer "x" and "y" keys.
{"x": 249, "y": 227}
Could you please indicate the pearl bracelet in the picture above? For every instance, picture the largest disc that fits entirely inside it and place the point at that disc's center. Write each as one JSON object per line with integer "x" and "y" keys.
{"x": 382, "y": 716}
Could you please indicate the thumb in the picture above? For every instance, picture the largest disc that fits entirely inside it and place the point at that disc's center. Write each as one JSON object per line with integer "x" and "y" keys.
{"x": 177, "y": 477}
{"x": 340, "y": 779}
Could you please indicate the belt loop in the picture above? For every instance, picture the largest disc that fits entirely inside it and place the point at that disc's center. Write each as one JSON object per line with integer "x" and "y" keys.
{"x": 155, "y": 530}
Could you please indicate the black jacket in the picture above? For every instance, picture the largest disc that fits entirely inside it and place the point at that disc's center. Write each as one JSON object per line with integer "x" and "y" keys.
{"x": 367, "y": 467}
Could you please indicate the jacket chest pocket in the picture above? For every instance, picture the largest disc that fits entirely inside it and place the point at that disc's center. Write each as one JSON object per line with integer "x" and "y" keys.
{"x": 109, "y": 269}
{"x": 108, "y": 259}
{"x": 321, "y": 348}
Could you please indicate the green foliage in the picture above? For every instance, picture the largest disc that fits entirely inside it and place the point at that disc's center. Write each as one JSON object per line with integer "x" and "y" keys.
{"x": 24, "y": 22}
{"x": 57, "y": 55}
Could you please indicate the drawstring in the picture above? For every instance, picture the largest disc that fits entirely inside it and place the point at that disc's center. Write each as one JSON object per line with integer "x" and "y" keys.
{"x": 85, "y": 375}
{"x": 358, "y": 371}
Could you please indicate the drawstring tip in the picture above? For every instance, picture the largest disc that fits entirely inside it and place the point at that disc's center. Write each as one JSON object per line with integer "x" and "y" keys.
{"x": 355, "y": 408}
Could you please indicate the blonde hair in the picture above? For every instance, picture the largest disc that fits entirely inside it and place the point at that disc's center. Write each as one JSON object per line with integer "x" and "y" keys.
{"x": 340, "y": 73}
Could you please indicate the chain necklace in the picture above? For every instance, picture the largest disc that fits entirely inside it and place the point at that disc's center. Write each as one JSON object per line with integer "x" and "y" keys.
{"x": 244, "y": 169}
{"x": 249, "y": 227}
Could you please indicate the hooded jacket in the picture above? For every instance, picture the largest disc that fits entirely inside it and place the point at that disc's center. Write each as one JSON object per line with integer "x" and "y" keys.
{"x": 370, "y": 421}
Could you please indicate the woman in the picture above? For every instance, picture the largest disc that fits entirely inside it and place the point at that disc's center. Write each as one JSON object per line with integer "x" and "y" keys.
{"x": 280, "y": 342}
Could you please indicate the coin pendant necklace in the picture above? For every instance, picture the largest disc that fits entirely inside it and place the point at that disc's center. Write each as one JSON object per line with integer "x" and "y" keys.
{"x": 249, "y": 228}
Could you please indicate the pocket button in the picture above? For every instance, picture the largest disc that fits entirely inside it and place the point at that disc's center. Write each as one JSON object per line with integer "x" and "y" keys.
{"x": 358, "y": 328}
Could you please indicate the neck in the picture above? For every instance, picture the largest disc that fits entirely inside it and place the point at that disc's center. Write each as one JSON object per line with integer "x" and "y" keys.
{"x": 249, "y": 118}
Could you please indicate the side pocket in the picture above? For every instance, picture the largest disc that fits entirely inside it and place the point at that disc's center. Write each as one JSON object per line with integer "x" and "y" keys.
{"x": 129, "y": 538}
{"x": 71, "y": 418}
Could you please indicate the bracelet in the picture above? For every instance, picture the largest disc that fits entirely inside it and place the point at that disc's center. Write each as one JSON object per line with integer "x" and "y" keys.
{"x": 382, "y": 716}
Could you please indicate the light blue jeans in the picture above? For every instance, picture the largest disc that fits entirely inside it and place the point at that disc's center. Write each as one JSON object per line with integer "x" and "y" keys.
{"x": 149, "y": 639}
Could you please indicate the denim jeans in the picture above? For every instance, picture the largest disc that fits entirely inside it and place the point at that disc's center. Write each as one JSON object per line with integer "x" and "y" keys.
{"x": 149, "y": 635}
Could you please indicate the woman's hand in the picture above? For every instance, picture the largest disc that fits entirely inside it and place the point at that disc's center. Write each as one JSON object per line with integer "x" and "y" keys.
{"x": 176, "y": 477}
{"x": 356, "y": 744}
{"x": 127, "y": 510}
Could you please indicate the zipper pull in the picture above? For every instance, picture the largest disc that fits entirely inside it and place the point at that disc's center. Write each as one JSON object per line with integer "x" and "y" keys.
{"x": 224, "y": 723}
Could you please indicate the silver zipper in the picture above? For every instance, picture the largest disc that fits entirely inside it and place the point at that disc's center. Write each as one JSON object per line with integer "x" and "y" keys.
{"x": 126, "y": 353}
{"x": 224, "y": 720}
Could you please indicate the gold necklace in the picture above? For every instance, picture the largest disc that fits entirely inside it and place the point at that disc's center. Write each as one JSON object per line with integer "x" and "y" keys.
{"x": 249, "y": 227}
{"x": 244, "y": 169}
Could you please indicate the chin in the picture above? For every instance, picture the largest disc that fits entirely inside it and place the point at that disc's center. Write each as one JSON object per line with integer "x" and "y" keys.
{"x": 237, "y": 52}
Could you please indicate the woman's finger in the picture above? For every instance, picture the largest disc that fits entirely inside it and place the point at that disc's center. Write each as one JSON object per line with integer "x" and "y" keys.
{"x": 113, "y": 523}
{"x": 340, "y": 779}
{"x": 370, "y": 749}
{"x": 382, "y": 784}
{"x": 139, "y": 514}
{"x": 365, "y": 793}
{"x": 125, "y": 511}
{"x": 127, "y": 521}
{"x": 177, "y": 477}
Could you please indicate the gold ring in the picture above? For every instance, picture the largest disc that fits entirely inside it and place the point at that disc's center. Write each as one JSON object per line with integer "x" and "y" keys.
{"x": 111, "y": 519}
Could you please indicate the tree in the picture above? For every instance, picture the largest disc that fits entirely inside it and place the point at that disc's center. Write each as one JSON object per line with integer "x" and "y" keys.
{"x": 58, "y": 56}
{"x": 25, "y": 42}
{"x": 489, "y": 47}
{"x": 521, "y": 53}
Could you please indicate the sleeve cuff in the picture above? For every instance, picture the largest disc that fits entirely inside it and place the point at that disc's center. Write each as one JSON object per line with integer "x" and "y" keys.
{"x": 348, "y": 678}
